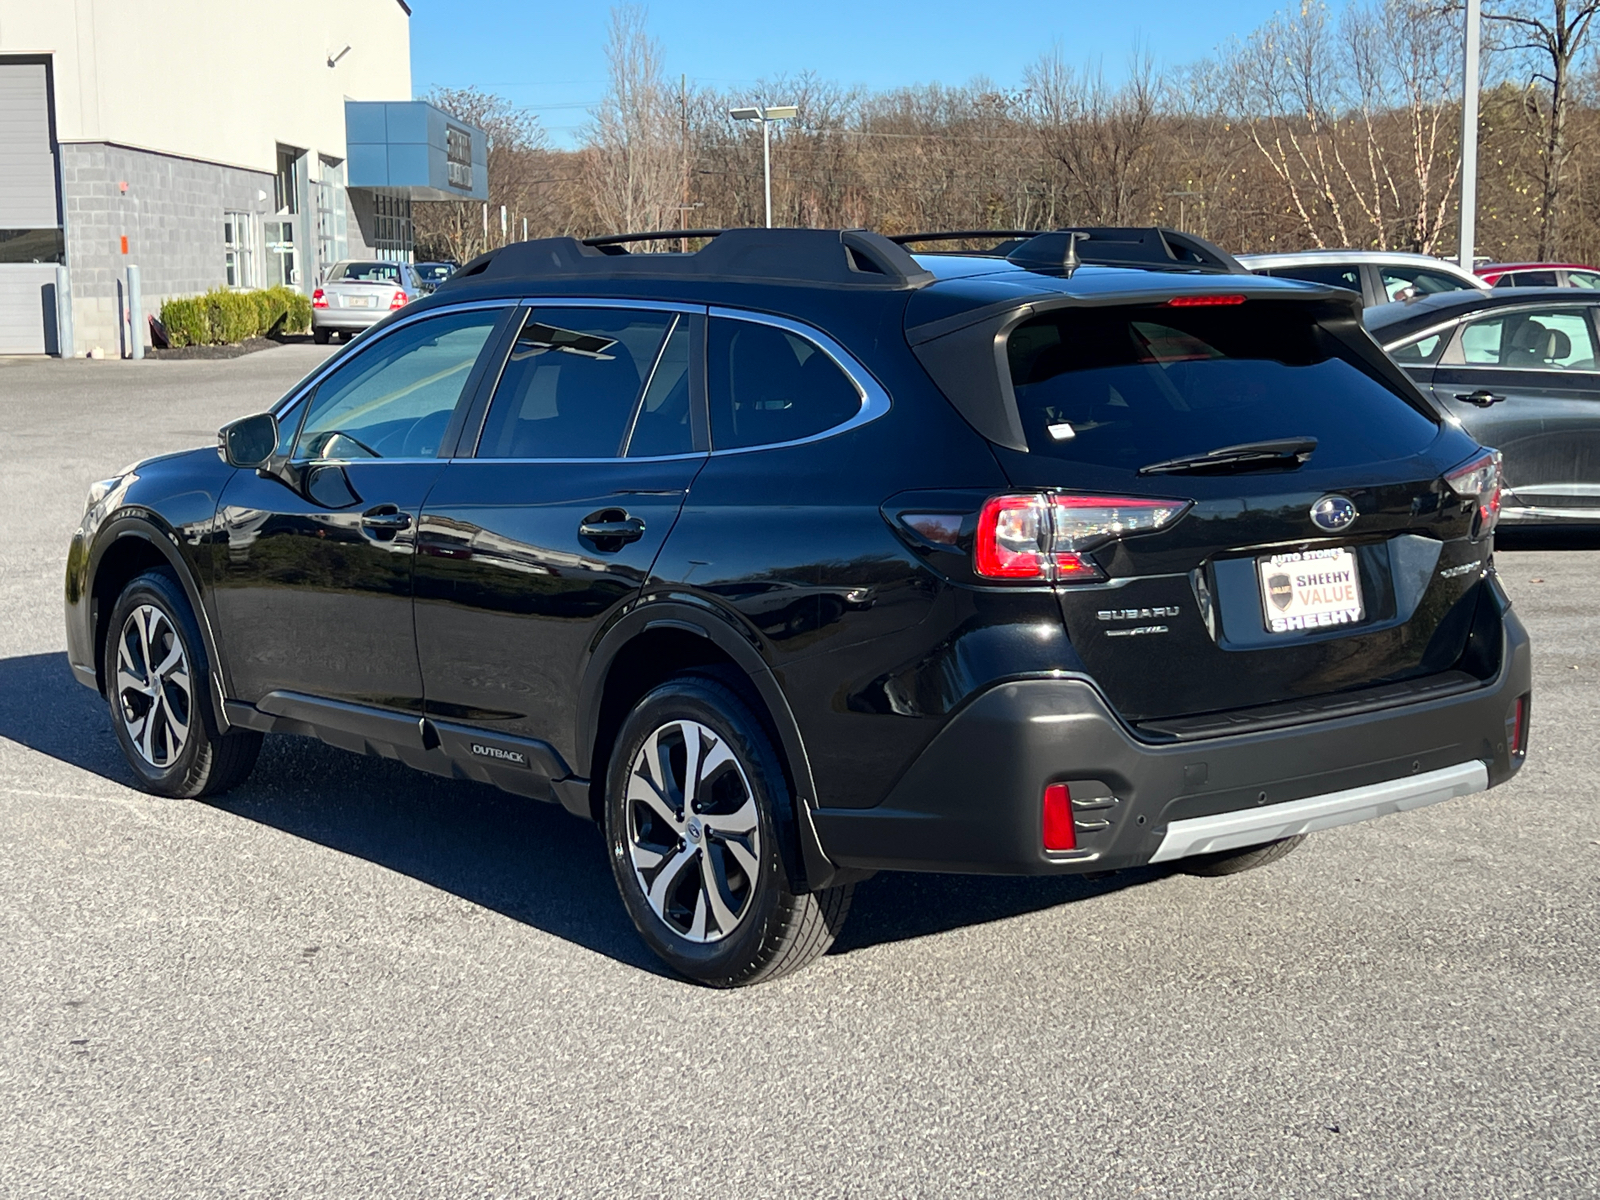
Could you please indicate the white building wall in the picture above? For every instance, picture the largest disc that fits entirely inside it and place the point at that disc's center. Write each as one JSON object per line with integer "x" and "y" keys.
{"x": 216, "y": 80}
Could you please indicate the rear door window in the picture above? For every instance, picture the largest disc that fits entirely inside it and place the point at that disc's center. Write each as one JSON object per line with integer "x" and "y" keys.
{"x": 1536, "y": 278}
{"x": 1126, "y": 387}
{"x": 1556, "y": 339}
{"x": 768, "y": 385}
{"x": 1348, "y": 278}
{"x": 1401, "y": 282}
{"x": 571, "y": 383}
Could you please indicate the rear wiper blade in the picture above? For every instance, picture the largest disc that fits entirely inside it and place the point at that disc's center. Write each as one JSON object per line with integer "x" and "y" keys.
{"x": 1243, "y": 457}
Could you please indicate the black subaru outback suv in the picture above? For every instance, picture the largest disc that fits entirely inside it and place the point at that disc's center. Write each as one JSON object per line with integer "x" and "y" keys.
{"x": 800, "y": 557}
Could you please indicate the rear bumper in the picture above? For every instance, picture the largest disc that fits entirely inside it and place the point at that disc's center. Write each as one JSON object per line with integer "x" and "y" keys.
{"x": 973, "y": 801}
{"x": 347, "y": 318}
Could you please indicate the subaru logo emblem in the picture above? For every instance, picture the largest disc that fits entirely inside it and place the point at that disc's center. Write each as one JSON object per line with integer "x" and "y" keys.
{"x": 1333, "y": 513}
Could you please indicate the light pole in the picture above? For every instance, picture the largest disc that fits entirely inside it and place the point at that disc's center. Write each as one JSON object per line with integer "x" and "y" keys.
{"x": 773, "y": 112}
{"x": 1469, "y": 134}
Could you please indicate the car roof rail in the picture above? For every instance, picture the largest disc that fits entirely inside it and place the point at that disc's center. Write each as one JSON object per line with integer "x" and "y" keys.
{"x": 1007, "y": 240}
{"x": 1149, "y": 248}
{"x": 819, "y": 257}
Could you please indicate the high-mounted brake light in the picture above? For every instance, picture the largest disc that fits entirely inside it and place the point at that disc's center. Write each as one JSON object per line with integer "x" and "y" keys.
{"x": 1479, "y": 481}
{"x": 1058, "y": 831}
{"x": 318, "y": 300}
{"x": 399, "y": 301}
{"x": 1046, "y": 538}
{"x": 1204, "y": 301}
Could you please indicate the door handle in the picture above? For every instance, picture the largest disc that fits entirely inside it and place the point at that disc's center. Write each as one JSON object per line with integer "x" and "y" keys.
{"x": 611, "y": 525}
{"x": 385, "y": 520}
{"x": 1483, "y": 397}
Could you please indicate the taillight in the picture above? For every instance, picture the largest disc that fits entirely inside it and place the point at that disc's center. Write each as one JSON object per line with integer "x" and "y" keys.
{"x": 1035, "y": 536}
{"x": 1058, "y": 830}
{"x": 399, "y": 301}
{"x": 318, "y": 300}
{"x": 1479, "y": 481}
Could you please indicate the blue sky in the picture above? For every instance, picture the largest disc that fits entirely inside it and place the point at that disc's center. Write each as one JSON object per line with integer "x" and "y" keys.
{"x": 549, "y": 57}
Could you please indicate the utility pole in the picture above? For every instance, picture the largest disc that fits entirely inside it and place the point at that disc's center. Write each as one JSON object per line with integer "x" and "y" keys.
{"x": 1469, "y": 132}
{"x": 767, "y": 116}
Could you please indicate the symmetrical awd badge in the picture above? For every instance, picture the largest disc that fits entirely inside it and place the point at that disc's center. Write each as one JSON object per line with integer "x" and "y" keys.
{"x": 1333, "y": 513}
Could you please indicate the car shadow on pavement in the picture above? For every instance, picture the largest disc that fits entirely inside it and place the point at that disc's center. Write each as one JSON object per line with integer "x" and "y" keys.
{"x": 1553, "y": 537}
{"x": 529, "y": 861}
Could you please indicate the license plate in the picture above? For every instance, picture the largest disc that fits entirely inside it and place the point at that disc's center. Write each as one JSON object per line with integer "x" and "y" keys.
{"x": 1316, "y": 589}
{"x": 358, "y": 301}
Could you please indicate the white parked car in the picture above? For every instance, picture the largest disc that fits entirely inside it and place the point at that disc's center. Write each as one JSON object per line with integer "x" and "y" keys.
{"x": 358, "y": 294}
{"x": 1381, "y": 276}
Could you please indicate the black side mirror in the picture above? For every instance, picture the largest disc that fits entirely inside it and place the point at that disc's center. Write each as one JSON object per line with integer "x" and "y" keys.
{"x": 249, "y": 441}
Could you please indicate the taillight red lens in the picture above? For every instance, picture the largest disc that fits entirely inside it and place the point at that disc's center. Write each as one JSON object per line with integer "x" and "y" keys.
{"x": 1480, "y": 481}
{"x": 318, "y": 300}
{"x": 1047, "y": 537}
{"x": 1013, "y": 538}
{"x": 1203, "y": 301}
{"x": 399, "y": 300}
{"x": 1058, "y": 831}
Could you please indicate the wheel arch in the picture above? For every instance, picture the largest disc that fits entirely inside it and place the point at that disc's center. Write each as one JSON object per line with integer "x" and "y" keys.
{"x": 661, "y": 639}
{"x": 127, "y": 547}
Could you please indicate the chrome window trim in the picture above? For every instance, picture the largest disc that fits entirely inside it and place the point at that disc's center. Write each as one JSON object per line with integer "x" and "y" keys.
{"x": 300, "y": 390}
{"x": 1402, "y": 343}
{"x": 654, "y": 458}
{"x": 875, "y": 400}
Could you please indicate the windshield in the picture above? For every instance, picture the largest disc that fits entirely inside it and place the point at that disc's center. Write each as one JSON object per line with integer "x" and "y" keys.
{"x": 365, "y": 272}
{"x": 1126, "y": 387}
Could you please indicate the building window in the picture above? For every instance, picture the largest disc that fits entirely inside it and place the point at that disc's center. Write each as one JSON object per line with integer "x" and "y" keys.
{"x": 332, "y": 216}
{"x": 392, "y": 226}
{"x": 237, "y": 244}
{"x": 282, "y": 269}
{"x": 286, "y": 183}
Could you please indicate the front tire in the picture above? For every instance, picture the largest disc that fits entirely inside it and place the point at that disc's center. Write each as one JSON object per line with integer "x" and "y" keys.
{"x": 158, "y": 686}
{"x": 694, "y": 794}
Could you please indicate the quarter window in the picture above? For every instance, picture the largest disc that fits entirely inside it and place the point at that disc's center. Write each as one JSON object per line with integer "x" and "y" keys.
{"x": 395, "y": 398}
{"x": 768, "y": 385}
{"x": 570, "y": 385}
{"x": 1420, "y": 351}
{"x": 1552, "y": 339}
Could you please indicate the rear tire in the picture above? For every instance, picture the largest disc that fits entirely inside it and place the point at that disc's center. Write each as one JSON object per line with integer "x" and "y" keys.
{"x": 321, "y": 336}
{"x": 694, "y": 794}
{"x": 159, "y": 688}
{"x": 1231, "y": 862}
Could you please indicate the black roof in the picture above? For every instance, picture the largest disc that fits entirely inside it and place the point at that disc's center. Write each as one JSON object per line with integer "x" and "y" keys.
{"x": 1395, "y": 322}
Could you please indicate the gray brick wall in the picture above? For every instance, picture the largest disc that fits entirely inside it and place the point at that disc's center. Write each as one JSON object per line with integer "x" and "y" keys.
{"x": 172, "y": 216}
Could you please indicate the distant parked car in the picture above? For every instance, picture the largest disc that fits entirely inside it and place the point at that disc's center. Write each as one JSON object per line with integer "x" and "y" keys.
{"x": 431, "y": 274}
{"x": 359, "y": 294}
{"x": 1517, "y": 369}
{"x": 1380, "y": 276}
{"x": 1534, "y": 275}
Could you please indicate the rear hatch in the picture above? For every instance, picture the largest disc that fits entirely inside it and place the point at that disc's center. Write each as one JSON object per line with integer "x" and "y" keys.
{"x": 1311, "y": 545}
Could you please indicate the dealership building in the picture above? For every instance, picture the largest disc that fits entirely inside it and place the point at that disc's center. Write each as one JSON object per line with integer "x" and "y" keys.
{"x": 209, "y": 145}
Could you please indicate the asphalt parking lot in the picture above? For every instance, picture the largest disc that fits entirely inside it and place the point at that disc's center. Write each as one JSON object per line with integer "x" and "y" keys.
{"x": 345, "y": 979}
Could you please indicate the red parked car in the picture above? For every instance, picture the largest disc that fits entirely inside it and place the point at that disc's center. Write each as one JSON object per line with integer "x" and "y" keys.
{"x": 1539, "y": 275}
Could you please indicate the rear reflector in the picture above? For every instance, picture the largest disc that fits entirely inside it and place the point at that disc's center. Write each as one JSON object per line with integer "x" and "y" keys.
{"x": 1517, "y": 725}
{"x": 1058, "y": 831}
{"x": 1203, "y": 301}
{"x": 1046, "y": 538}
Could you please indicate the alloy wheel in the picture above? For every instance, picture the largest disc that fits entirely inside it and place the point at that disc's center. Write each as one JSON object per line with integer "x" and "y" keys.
{"x": 155, "y": 694}
{"x": 693, "y": 831}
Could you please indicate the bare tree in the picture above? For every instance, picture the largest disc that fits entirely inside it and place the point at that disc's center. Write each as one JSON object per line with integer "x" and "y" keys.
{"x": 633, "y": 154}
{"x": 1553, "y": 35}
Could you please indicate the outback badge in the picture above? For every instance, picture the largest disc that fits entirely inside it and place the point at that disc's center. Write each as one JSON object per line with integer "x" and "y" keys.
{"x": 1333, "y": 513}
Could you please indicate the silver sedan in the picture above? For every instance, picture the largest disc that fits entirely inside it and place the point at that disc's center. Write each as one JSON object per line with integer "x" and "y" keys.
{"x": 358, "y": 294}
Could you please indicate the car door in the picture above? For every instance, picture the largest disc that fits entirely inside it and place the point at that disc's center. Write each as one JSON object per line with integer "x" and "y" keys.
{"x": 548, "y": 522}
{"x": 312, "y": 564}
{"x": 1525, "y": 381}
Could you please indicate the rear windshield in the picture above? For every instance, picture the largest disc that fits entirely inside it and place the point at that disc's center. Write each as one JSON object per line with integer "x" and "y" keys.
{"x": 365, "y": 272}
{"x": 1127, "y": 387}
